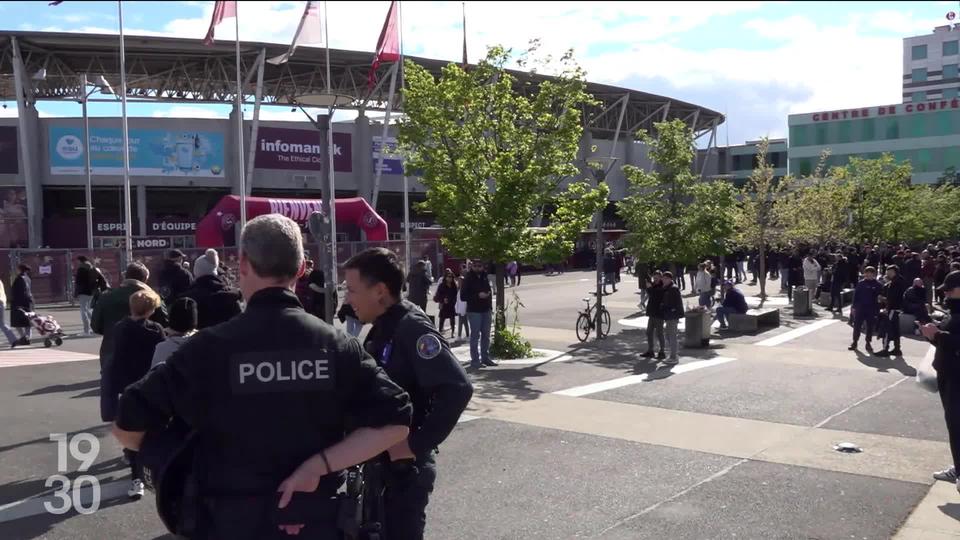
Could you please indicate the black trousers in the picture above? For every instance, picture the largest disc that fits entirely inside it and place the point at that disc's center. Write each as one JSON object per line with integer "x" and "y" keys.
{"x": 407, "y": 493}
{"x": 136, "y": 469}
{"x": 949, "y": 387}
{"x": 861, "y": 320}
{"x": 892, "y": 330}
{"x": 654, "y": 326}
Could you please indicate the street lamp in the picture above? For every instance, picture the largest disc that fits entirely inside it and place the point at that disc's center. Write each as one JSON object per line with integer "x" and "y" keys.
{"x": 599, "y": 168}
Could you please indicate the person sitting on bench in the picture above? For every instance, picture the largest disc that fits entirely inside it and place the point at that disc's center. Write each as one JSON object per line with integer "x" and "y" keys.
{"x": 733, "y": 302}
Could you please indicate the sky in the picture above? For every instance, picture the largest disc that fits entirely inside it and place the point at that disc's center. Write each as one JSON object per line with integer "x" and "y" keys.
{"x": 755, "y": 62}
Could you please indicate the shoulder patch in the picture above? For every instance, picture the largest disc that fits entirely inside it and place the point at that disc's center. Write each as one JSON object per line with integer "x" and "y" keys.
{"x": 428, "y": 346}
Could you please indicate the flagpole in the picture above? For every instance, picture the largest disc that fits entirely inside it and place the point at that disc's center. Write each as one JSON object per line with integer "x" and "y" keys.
{"x": 239, "y": 112}
{"x": 406, "y": 187}
{"x": 128, "y": 214}
{"x": 334, "y": 279}
{"x": 383, "y": 138}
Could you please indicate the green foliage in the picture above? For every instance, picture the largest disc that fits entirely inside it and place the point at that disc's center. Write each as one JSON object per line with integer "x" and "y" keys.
{"x": 492, "y": 156}
{"x": 815, "y": 209}
{"x": 508, "y": 344}
{"x": 880, "y": 202}
{"x": 670, "y": 214}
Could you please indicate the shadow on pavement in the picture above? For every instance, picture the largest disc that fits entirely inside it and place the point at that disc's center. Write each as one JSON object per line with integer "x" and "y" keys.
{"x": 885, "y": 364}
{"x": 951, "y": 509}
{"x": 41, "y": 525}
{"x": 100, "y": 430}
{"x": 506, "y": 384}
{"x": 58, "y": 388}
{"x": 22, "y": 489}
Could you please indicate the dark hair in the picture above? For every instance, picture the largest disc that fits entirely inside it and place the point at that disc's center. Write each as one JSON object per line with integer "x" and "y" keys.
{"x": 24, "y": 268}
{"x": 82, "y": 258}
{"x": 136, "y": 271}
{"x": 378, "y": 265}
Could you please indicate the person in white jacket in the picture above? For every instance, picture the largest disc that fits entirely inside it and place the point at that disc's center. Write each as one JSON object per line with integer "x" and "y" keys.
{"x": 811, "y": 272}
{"x": 701, "y": 284}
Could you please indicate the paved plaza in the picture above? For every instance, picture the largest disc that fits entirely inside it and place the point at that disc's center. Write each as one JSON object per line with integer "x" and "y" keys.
{"x": 590, "y": 440}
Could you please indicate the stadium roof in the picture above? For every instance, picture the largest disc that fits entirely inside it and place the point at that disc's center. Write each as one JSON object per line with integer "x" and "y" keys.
{"x": 178, "y": 70}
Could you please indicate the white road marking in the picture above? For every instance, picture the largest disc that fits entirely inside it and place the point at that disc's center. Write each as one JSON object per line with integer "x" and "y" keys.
{"x": 580, "y": 391}
{"x": 36, "y": 356}
{"x": 546, "y": 355}
{"x": 467, "y": 418}
{"x": 33, "y": 506}
{"x": 795, "y": 333}
{"x": 641, "y": 322}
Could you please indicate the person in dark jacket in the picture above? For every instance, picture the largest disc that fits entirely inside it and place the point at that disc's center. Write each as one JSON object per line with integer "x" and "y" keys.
{"x": 733, "y": 302}
{"x": 838, "y": 278}
{"x": 87, "y": 284}
{"x": 477, "y": 294}
{"x": 654, "y": 311}
{"x": 110, "y": 309}
{"x": 174, "y": 279}
{"x": 418, "y": 285}
{"x": 946, "y": 338}
{"x": 672, "y": 309}
{"x": 915, "y": 301}
{"x": 21, "y": 303}
{"x": 609, "y": 271}
{"x": 866, "y": 307}
{"x": 939, "y": 275}
{"x": 446, "y": 296}
{"x": 794, "y": 273}
{"x": 216, "y": 303}
{"x": 135, "y": 338}
{"x": 912, "y": 267}
{"x": 892, "y": 298}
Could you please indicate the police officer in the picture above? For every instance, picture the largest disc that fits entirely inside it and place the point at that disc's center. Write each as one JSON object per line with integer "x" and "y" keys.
{"x": 415, "y": 355}
{"x": 946, "y": 338}
{"x": 269, "y": 397}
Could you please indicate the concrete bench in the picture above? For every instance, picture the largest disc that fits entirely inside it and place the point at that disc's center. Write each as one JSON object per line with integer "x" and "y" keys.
{"x": 753, "y": 319}
{"x": 907, "y": 326}
{"x": 846, "y": 297}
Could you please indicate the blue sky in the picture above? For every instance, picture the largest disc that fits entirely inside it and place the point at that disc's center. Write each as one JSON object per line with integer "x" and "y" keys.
{"x": 755, "y": 61}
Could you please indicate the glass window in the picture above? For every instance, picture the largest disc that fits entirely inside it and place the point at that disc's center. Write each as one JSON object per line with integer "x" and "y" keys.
{"x": 923, "y": 160}
{"x": 844, "y": 130}
{"x": 918, "y": 97}
{"x": 820, "y": 134}
{"x": 951, "y": 93}
{"x": 919, "y": 52}
{"x": 804, "y": 166}
{"x": 951, "y": 157}
{"x": 951, "y": 48}
{"x": 915, "y": 125}
{"x": 919, "y": 75}
{"x": 868, "y": 129}
{"x": 800, "y": 135}
{"x": 891, "y": 128}
{"x": 949, "y": 71}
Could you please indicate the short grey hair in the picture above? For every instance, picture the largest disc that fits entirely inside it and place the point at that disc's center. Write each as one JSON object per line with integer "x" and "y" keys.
{"x": 273, "y": 245}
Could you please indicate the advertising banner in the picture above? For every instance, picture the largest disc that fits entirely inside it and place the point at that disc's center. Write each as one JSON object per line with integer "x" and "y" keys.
{"x": 13, "y": 217}
{"x": 392, "y": 163}
{"x": 153, "y": 152}
{"x": 9, "y": 157}
{"x": 300, "y": 149}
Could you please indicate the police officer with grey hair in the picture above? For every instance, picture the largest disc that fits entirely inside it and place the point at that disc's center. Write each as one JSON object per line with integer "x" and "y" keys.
{"x": 415, "y": 355}
{"x": 277, "y": 404}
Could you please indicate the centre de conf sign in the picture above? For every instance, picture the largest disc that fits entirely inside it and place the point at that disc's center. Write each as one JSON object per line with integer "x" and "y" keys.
{"x": 886, "y": 110}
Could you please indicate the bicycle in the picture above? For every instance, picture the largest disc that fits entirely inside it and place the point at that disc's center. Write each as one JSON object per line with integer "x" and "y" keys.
{"x": 591, "y": 319}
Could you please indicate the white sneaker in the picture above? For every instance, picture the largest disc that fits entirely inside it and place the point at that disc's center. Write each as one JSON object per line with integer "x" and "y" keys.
{"x": 136, "y": 490}
{"x": 946, "y": 475}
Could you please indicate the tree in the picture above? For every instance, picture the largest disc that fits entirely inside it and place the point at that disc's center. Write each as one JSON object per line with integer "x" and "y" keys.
{"x": 815, "y": 209}
{"x": 671, "y": 215}
{"x": 880, "y": 204}
{"x": 492, "y": 156}
{"x": 756, "y": 222}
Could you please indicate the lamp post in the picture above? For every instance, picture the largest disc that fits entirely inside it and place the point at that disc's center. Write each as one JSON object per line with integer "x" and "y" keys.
{"x": 599, "y": 168}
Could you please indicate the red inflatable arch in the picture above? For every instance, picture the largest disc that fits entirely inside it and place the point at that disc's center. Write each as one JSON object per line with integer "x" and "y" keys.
{"x": 218, "y": 225}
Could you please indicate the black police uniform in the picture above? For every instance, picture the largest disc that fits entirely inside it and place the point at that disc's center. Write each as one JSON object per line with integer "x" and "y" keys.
{"x": 415, "y": 355}
{"x": 262, "y": 393}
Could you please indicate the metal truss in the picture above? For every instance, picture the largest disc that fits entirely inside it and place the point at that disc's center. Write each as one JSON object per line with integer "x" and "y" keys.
{"x": 174, "y": 70}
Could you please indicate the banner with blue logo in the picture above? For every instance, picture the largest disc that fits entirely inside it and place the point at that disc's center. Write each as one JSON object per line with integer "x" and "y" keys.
{"x": 153, "y": 152}
{"x": 392, "y": 161}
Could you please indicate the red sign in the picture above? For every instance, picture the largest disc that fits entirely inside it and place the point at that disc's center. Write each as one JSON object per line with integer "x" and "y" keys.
{"x": 887, "y": 110}
{"x": 300, "y": 150}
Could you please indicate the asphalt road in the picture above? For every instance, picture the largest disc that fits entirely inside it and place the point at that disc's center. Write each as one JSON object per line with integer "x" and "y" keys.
{"x": 591, "y": 440}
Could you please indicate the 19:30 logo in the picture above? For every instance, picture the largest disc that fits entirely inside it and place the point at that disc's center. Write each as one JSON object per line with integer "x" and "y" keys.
{"x": 84, "y": 448}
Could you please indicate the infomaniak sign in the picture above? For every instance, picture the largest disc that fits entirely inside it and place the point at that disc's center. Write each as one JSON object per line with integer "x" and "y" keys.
{"x": 300, "y": 150}
{"x": 153, "y": 152}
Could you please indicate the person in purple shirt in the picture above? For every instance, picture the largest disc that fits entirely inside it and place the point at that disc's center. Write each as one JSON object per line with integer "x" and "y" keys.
{"x": 866, "y": 306}
{"x": 733, "y": 302}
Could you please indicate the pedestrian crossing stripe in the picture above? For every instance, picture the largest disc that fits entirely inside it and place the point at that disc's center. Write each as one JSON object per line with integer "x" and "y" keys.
{"x": 36, "y": 357}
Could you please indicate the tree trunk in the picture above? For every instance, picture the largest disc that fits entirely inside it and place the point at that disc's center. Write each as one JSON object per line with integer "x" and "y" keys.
{"x": 500, "y": 314}
{"x": 762, "y": 269}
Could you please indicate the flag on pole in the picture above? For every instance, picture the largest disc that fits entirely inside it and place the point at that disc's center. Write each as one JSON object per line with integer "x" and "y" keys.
{"x": 309, "y": 32}
{"x": 388, "y": 46}
{"x": 221, "y": 11}
{"x": 55, "y": 3}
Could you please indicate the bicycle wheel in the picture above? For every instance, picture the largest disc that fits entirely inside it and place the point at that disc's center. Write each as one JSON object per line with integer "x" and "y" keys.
{"x": 603, "y": 329}
{"x": 583, "y": 327}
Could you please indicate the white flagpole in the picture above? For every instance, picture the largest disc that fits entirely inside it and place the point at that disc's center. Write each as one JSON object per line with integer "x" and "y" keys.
{"x": 334, "y": 279}
{"x": 383, "y": 137}
{"x": 406, "y": 190}
{"x": 128, "y": 214}
{"x": 239, "y": 111}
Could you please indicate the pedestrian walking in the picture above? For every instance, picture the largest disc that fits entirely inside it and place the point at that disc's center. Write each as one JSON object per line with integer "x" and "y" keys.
{"x": 477, "y": 293}
{"x": 866, "y": 307}
{"x": 21, "y": 303}
{"x": 3, "y": 326}
{"x": 946, "y": 338}
{"x": 702, "y": 286}
{"x": 216, "y": 302}
{"x": 418, "y": 285}
{"x": 672, "y": 311}
{"x": 87, "y": 284}
{"x": 892, "y": 298}
{"x": 811, "y": 272}
{"x": 446, "y": 297}
{"x": 654, "y": 312}
{"x": 174, "y": 279}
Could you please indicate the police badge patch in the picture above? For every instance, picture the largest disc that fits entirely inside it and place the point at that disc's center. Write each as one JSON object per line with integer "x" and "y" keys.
{"x": 428, "y": 346}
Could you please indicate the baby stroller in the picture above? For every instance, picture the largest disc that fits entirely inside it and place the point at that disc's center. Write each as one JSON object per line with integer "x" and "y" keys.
{"x": 49, "y": 329}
